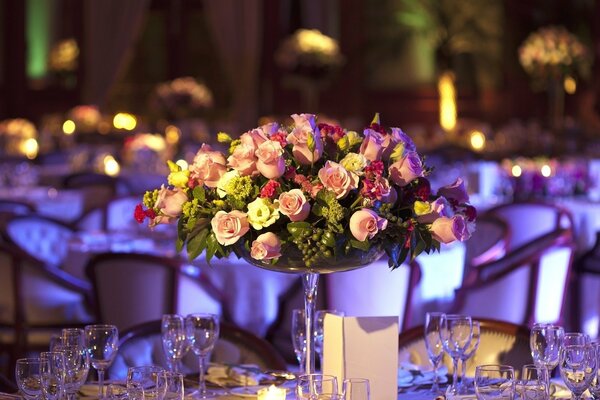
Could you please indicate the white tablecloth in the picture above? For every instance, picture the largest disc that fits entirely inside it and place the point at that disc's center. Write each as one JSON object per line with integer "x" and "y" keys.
{"x": 64, "y": 205}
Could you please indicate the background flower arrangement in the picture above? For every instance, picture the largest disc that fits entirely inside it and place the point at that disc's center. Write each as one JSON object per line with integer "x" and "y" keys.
{"x": 319, "y": 190}
{"x": 181, "y": 98}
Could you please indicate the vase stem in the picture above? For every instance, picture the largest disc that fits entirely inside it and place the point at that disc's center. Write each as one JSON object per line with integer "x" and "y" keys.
{"x": 310, "y": 282}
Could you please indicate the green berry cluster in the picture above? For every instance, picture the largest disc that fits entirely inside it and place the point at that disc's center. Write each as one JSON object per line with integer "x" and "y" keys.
{"x": 312, "y": 245}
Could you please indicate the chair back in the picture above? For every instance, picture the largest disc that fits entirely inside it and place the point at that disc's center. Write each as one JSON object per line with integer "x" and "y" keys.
{"x": 116, "y": 215}
{"x": 16, "y": 207}
{"x": 501, "y": 342}
{"x": 142, "y": 345}
{"x": 489, "y": 243}
{"x": 41, "y": 237}
{"x": 98, "y": 189}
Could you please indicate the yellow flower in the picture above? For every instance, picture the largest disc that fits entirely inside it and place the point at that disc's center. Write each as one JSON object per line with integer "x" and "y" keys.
{"x": 354, "y": 163}
{"x": 179, "y": 178}
{"x": 422, "y": 207}
{"x": 262, "y": 213}
{"x": 223, "y": 137}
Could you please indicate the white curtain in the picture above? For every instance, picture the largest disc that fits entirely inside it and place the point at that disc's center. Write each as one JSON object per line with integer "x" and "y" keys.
{"x": 111, "y": 29}
{"x": 236, "y": 29}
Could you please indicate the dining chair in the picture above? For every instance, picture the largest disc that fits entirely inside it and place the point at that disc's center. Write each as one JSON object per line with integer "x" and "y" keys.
{"x": 489, "y": 243}
{"x": 16, "y": 207}
{"x": 98, "y": 189}
{"x": 43, "y": 238}
{"x": 142, "y": 345}
{"x": 36, "y": 301}
{"x": 132, "y": 288}
{"x": 115, "y": 215}
{"x": 501, "y": 342}
{"x": 585, "y": 296}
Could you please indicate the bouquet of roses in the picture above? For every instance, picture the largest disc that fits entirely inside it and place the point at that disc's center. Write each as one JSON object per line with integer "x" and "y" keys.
{"x": 181, "y": 97}
{"x": 314, "y": 189}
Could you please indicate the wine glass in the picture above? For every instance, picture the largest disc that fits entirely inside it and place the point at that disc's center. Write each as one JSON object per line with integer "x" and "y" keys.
{"x": 494, "y": 382}
{"x": 314, "y": 386}
{"x": 578, "y": 367}
{"x": 77, "y": 366}
{"x": 52, "y": 372}
{"x": 73, "y": 337}
{"x": 575, "y": 338}
{"x": 299, "y": 336}
{"x": 102, "y": 343}
{"x": 319, "y": 320}
{"x": 356, "y": 389}
{"x": 150, "y": 379}
{"x": 28, "y": 377}
{"x": 595, "y": 384}
{"x": 455, "y": 333}
{"x": 433, "y": 343}
{"x": 202, "y": 332}
{"x": 468, "y": 353}
{"x": 545, "y": 341}
{"x": 174, "y": 339}
{"x": 533, "y": 384}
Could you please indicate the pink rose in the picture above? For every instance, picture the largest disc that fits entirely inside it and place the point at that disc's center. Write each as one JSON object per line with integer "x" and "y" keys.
{"x": 304, "y": 128}
{"x": 170, "y": 202}
{"x": 243, "y": 160}
{"x": 337, "y": 179}
{"x": 229, "y": 227}
{"x": 294, "y": 205}
{"x": 208, "y": 166}
{"x": 447, "y": 230}
{"x": 372, "y": 145}
{"x": 405, "y": 170}
{"x": 270, "y": 159}
{"x": 439, "y": 208}
{"x": 394, "y": 138}
{"x": 266, "y": 247}
{"x": 455, "y": 191}
{"x": 366, "y": 223}
{"x": 253, "y": 138}
{"x": 269, "y": 129}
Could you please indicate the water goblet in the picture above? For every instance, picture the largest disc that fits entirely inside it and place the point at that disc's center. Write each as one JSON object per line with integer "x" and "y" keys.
{"x": 102, "y": 343}
{"x": 52, "y": 372}
{"x": 533, "y": 384}
{"x": 575, "y": 338}
{"x": 150, "y": 379}
{"x": 578, "y": 367}
{"x": 434, "y": 346}
{"x": 77, "y": 366}
{"x": 319, "y": 320}
{"x": 494, "y": 382}
{"x": 545, "y": 341}
{"x": 455, "y": 332}
{"x": 594, "y": 387}
{"x": 316, "y": 386}
{"x": 299, "y": 336}
{"x": 28, "y": 377}
{"x": 73, "y": 337}
{"x": 174, "y": 339}
{"x": 468, "y": 353}
{"x": 202, "y": 332}
{"x": 355, "y": 389}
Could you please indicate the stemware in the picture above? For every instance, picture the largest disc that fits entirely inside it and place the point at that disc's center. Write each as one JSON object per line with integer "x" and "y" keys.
{"x": 28, "y": 377}
{"x": 468, "y": 353}
{"x": 52, "y": 372}
{"x": 545, "y": 341}
{"x": 455, "y": 333}
{"x": 434, "y": 345}
{"x": 202, "y": 332}
{"x": 356, "y": 389}
{"x": 578, "y": 367}
{"x": 174, "y": 339}
{"x": 315, "y": 386}
{"x": 575, "y": 338}
{"x": 150, "y": 379}
{"x": 77, "y": 366}
{"x": 299, "y": 337}
{"x": 594, "y": 387}
{"x": 533, "y": 384}
{"x": 494, "y": 382}
{"x": 174, "y": 385}
{"x": 102, "y": 343}
{"x": 73, "y": 337}
{"x": 319, "y": 328}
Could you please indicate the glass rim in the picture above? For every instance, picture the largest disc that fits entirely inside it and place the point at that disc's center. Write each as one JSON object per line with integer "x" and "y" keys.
{"x": 152, "y": 368}
{"x": 356, "y": 380}
{"x": 100, "y": 326}
{"x": 317, "y": 375}
{"x": 495, "y": 367}
{"x": 28, "y": 360}
{"x": 194, "y": 315}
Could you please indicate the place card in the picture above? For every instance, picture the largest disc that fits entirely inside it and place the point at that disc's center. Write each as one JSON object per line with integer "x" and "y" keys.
{"x": 363, "y": 347}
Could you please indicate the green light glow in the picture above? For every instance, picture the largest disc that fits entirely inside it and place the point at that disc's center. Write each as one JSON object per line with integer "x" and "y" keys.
{"x": 38, "y": 37}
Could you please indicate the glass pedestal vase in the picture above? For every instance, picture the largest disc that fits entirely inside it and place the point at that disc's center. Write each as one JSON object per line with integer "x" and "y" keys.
{"x": 291, "y": 262}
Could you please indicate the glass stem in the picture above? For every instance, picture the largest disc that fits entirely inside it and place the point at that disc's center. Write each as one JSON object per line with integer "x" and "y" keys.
{"x": 310, "y": 281}
{"x": 455, "y": 382}
{"x": 100, "y": 383}
{"x": 201, "y": 383}
{"x": 436, "y": 385}
{"x": 463, "y": 371}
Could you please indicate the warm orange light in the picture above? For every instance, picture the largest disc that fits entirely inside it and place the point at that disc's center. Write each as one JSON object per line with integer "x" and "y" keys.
{"x": 30, "y": 148}
{"x": 477, "y": 140}
{"x": 68, "y": 127}
{"x": 447, "y": 94}
{"x": 111, "y": 166}
{"x": 124, "y": 121}
{"x": 172, "y": 134}
{"x": 516, "y": 171}
{"x": 546, "y": 170}
{"x": 570, "y": 85}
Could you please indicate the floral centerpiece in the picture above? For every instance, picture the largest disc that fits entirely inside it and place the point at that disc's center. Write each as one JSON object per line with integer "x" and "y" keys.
{"x": 182, "y": 97}
{"x": 87, "y": 117}
{"x": 146, "y": 152}
{"x": 317, "y": 190}
{"x": 15, "y": 134}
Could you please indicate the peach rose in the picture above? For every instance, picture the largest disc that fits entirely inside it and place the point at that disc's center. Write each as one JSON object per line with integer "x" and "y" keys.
{"x": 366, "y": 223}
{"x": 229, "y": 227}
{"x": 304, "y": 128}
{"x": 397, "y": 136}
{"x": 208, "y": 166}
{"x": 447, "y": 230}
{"x": 253, "y": 138}
{"x": 337, "y": 179}
{"x": 170, "y": 202}
{"x": 455, "y": 191}
{"x": 266, "y": 247}
{"x": 243, "y": 160}
{"x": 405, "y": 170}
{"x": 372, "y": 145}
{"x": 294, "y": 205}
{"x": 270, "y": 159}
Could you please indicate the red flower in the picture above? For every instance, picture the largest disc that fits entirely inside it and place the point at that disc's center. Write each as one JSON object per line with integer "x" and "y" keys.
{"x": 139, "y": 214}
{"x": 378, "y": 128}
{"x": 374, "y": 169}
{"x": 269, "y": 189}
{"x": 422, "y": 189}
{"x": 470, "y": 213}
{"x": 335, "y": 132}
{"x": 280, "y": 137}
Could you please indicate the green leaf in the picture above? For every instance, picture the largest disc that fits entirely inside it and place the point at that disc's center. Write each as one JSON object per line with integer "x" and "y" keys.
{"x": 310, "y": 142}
{"x": 199, "y": 193}
{"x": 328, "y": 239}
{"x": 317, "y": 209}
{"x": 179, "y": 244}
{"x": 364, "y": 245}
{"x": 376, "y": 119}
{"x": 213, "y": 246}
{"x": 299, "y": 229}
{"x": 197, "y": 244}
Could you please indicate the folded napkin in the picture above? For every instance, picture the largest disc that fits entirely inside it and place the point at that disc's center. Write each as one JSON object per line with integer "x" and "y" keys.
{"x": 236, "y": 375}
{"x": 415, "y": 375}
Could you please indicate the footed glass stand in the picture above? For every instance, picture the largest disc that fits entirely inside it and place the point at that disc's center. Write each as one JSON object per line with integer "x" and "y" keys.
{"x": 291, "y": 262}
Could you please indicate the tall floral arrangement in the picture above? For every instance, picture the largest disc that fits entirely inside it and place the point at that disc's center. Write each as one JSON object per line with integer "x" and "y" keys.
{"x": 313, "y": 189}
{"x": 181, "y": 97}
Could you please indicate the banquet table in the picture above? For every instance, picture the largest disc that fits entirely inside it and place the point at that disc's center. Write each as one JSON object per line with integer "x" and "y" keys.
{"x": 62, "y": 204}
